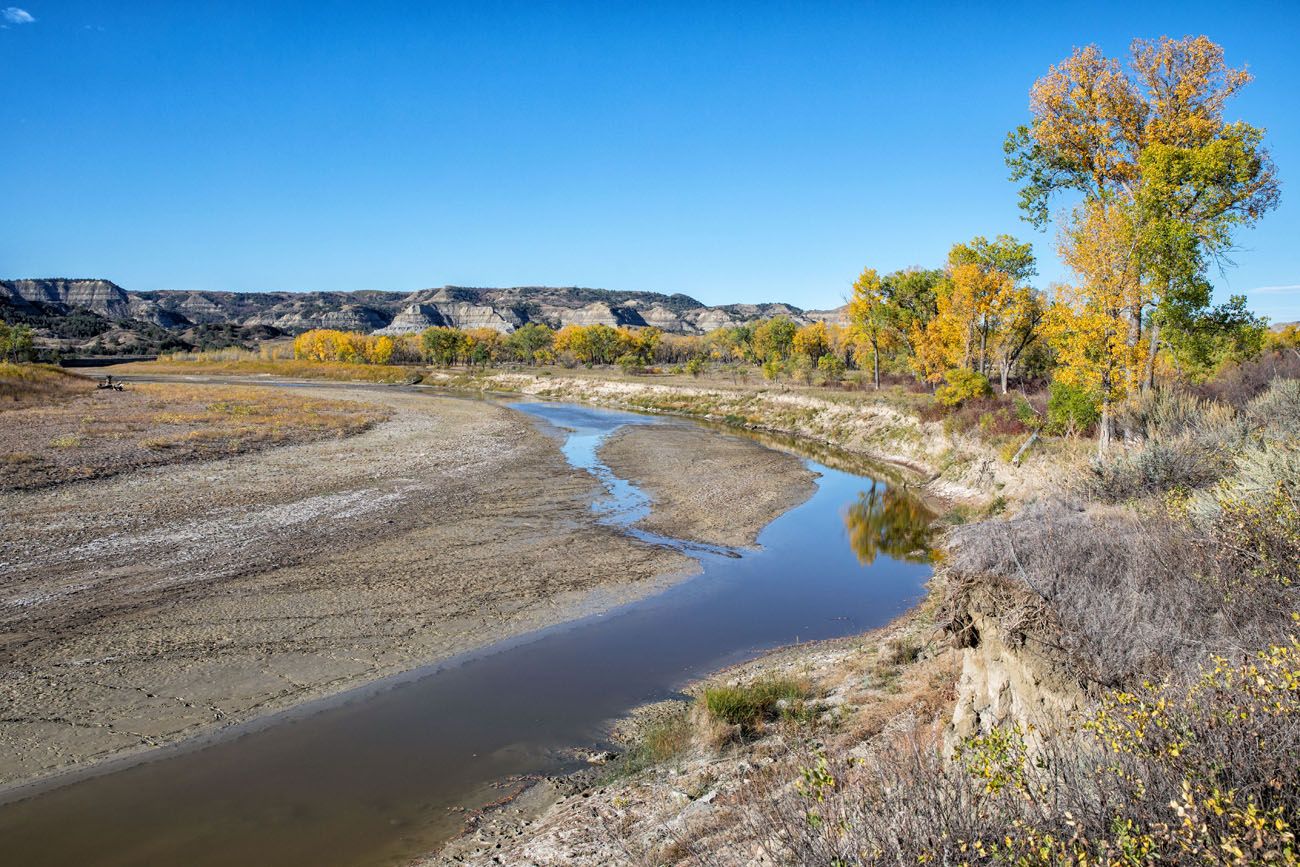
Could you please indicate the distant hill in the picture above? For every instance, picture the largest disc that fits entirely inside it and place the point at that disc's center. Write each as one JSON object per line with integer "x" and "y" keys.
{"x": 100, "y": 316}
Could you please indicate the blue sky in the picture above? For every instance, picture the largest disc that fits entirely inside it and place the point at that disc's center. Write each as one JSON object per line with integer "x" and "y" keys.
{"x": 734, "y": 152}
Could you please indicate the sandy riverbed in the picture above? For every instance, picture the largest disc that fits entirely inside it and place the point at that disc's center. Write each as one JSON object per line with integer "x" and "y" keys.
{"x": 150, "y": 607}
{"x": 707, "y": 486}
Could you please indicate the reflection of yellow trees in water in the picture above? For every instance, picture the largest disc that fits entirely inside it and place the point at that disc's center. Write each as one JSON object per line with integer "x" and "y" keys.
{"x": 885, "y": 521}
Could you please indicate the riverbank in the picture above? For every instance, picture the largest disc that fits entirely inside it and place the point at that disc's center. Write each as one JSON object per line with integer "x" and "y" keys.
{"x": 1059, "y": 645}
{"x": 78, "y": 432}
{"x": 884, "y": 428}
{"x": 683, "y": 790}
{"x": 174, "y": 601}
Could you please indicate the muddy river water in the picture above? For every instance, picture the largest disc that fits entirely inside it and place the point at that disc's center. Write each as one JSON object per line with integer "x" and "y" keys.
{"x": 374, "y": 777}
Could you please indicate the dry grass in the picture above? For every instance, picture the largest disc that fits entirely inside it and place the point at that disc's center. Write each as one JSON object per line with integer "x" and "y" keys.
{"x": 23, "y": 385}
{"x": 93, "y": 434}
{"x": 1118, "y": 594}
{"x": 1160, "y": 776}
{"x": 282, "y": 368}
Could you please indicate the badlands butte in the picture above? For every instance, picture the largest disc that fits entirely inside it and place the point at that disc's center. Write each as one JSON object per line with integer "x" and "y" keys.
{"x": 101, "y": 317}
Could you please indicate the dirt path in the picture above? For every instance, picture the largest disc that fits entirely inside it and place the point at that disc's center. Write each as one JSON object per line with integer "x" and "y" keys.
{"x": 149, "y": 607}
{"x": 707, "y": 486}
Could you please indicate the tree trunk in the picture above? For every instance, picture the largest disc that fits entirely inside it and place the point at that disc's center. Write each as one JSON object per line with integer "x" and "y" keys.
{"x": 1149, "y": 373}
{"x": 1104, "y": 429}
{"x": 875, "y": 362}
{"x": 1131, "y": 340}
{"x": 1006, "y": 370}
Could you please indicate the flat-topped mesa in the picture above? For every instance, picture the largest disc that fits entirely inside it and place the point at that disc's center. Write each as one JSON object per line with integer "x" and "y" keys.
{"x": 81, "y": 315}
{"x": 98, "y": 296}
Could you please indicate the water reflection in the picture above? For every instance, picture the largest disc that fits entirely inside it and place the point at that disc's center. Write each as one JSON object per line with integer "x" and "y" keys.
{"x": 887, "y": 521}
{"x": 380, "y": 776}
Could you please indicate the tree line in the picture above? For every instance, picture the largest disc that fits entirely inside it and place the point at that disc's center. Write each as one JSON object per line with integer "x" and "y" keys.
{"x": 1153, "y": 183}
{"x": 1156, "y": 185}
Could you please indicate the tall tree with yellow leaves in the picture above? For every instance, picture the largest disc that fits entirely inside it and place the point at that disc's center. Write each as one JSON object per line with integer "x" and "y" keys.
{"x": 1088, "y": 323}
{"x": 1153, "y": 142}
{"x": 870, "y": 317}
{"x": 986, "y": 316}
{"x": 812, "y": 341}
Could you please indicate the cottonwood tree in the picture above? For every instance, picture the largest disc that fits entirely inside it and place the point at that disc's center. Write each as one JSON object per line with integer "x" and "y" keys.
{"x": 1150, "y": 148}
{"x": 15, "y": 342}
{"x": 774, "y": 339}
{"x": 531, "y": 341}
{"x": 985, "y": 315}
{"x": 873, "y": 323}
{"x": 812, "y": 341}
{"x": 443, "y": 345}
{"x": 1088, "y": 323}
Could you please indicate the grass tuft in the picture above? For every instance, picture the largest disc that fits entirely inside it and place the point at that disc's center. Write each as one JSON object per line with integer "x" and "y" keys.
{"x": 748, "y": 706}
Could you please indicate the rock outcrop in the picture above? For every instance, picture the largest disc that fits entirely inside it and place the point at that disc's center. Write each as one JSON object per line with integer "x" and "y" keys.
{"x": 161, "y": 317}
{"x": 1007, "y": 678}
{"x": 98, "y": 296}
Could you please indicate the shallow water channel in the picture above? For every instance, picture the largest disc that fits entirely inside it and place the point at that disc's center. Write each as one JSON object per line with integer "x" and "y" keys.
{"x": 372, "y": 777}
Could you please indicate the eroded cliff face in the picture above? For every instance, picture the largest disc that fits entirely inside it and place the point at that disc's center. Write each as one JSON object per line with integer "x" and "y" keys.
{"x": 99, "y": 296}
{"x": 503, "y": 310}
{"x": 1008, "y": 677}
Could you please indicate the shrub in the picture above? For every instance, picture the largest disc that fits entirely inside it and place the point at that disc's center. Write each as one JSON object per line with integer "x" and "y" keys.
{"x": 1070, "y": 410}
{"x": 1168, "y": 774}
{"x": 991, "y": 416}
{"x": 1276, "y": 412}
{"x": 1120, "y": 594}
{"x": 832, "y": 366}
{"x": 750, "y": 705}
{"x": 1180, "y": 442}
{"x": 1026, "y": 413}
{"x": 1154, "y": 468}
{"x": 1238, "y": 384}
{"x": 961, "y": 385}
{"x": 1254, "y": 518}
{"x": 695, "y": 366}
{"x": 658, "y": 741}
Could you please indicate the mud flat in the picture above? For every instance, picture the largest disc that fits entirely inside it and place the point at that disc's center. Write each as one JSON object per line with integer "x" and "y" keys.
{"x": 705, "y": 486}
{"x": 170, "y": 601}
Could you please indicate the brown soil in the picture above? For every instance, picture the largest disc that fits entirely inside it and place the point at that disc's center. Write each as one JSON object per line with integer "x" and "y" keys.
{"x": 79, "y": 432}
{"x": 707, "y": 486}
{"x": 173, "y": 600}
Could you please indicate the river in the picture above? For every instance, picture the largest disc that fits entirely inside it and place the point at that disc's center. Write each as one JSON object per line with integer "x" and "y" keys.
{"x": 376, "y": 776}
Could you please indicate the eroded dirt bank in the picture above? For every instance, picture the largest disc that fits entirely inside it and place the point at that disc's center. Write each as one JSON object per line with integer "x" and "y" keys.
{"x": 149, "y": 607}
{"x": 706, "y": 486}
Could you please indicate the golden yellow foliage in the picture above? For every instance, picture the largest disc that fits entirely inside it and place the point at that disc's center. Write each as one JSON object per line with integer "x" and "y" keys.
{"x": 324, "y": 344}
{"x": 1088, "y": 114}
{"x": 1090, "y": 325}
{"x": 812, "y": 340}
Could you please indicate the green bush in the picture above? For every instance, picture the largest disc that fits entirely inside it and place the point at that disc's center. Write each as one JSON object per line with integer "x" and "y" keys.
{"x": 752, "y": 704}
{"x": 961, "y": 385}
{"x": 1025, "y": 412}
{"x": 832, "y": 366}
{"x": 1070, "y": 409}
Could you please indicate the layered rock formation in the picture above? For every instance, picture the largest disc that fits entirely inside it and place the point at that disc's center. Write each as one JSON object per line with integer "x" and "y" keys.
{"x": 103, "y": 305}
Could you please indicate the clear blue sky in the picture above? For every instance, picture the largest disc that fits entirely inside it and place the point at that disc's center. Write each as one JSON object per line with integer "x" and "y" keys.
{"x": 755, "y": 151}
